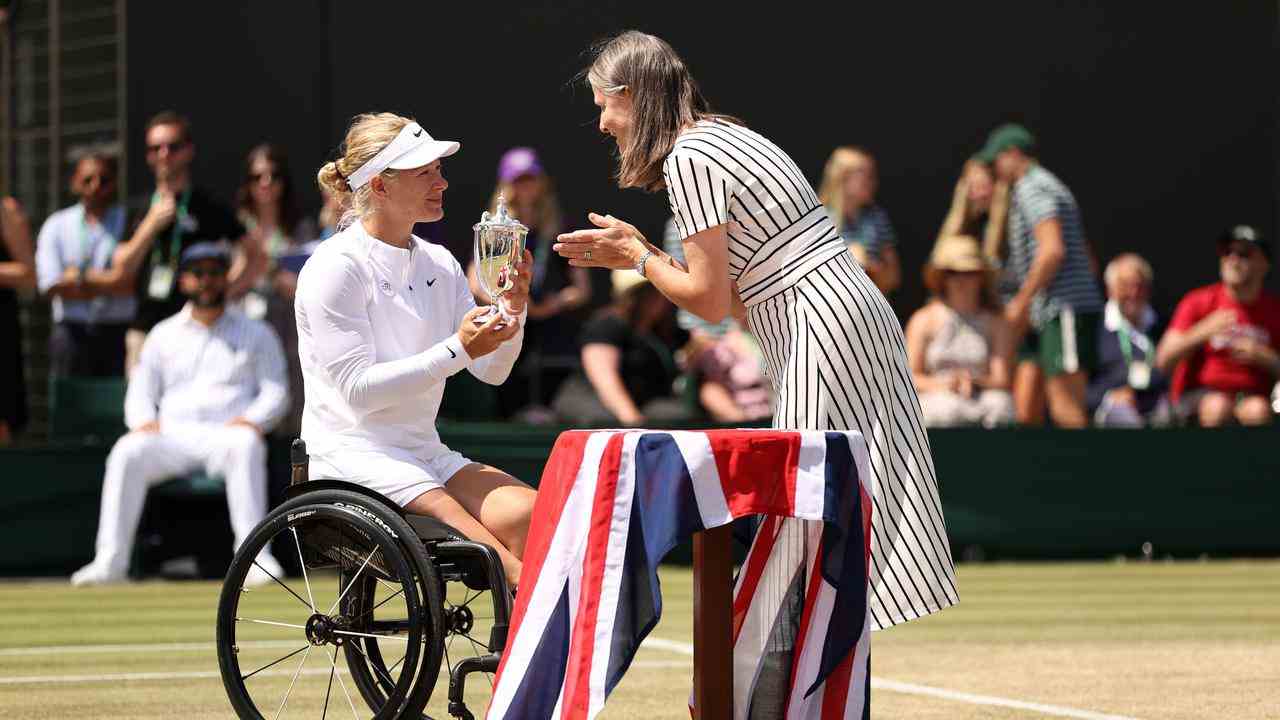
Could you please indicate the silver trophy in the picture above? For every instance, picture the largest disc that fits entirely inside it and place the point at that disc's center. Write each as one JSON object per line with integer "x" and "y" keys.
{"x": 499, "y": 246}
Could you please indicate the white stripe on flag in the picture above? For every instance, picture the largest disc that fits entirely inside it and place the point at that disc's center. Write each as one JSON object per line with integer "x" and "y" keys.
{"x": 701, "y": 461}
{"x": 614, "y": 572}
{"x": 771, "y": 592}
{"x": 810, "y": 661}
{"x": 811, "y": 475}
{"x": 550, "y": 583}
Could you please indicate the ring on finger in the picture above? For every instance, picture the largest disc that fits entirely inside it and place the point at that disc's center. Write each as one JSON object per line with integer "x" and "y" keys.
{"x": 587, "y": 255}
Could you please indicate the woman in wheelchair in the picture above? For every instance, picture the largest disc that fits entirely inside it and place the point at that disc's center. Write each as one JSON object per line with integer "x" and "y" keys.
{"x": 384, "y": 318}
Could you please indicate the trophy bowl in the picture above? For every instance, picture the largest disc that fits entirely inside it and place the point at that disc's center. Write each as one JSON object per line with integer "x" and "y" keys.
{"x": 499, "y": 245}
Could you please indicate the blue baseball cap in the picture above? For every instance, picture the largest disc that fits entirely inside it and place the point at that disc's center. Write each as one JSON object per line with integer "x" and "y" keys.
{"x": 206, "y": 251}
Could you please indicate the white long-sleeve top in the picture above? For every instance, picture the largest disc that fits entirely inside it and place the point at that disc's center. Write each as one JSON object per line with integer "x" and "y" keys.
{"x": 190, "y": 373}
{"x": 377, "y": 338}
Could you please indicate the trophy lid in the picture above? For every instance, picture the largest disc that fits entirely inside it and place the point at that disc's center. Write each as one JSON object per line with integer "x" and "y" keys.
{"x": 499, "y": 219}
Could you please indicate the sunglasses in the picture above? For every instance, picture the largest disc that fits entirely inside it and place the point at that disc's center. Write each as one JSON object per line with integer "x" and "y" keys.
{"x": 1242, "y": 252}
{"x": 102, "y": 179}
{"x": 170, "y": 146}
{"x": 207, "y": 272}
{"x": 268, "y": 176}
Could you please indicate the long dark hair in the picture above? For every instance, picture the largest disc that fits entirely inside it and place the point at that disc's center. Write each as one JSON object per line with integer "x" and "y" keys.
{"x": 290, "y": 213}
{"x": 665, "y": 99}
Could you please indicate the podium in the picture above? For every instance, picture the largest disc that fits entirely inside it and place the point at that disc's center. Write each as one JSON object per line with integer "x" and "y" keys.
{"x": 612, "y": 502}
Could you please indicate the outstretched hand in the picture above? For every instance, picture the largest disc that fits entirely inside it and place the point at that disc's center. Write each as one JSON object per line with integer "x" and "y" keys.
{"x": 615, "y": 244}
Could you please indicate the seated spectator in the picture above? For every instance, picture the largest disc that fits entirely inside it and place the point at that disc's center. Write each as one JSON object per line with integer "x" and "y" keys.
{"x": 209, "y": 383}
{"x": 1125, "y": 389}
{"x": 732, "y": 385}
{"x": 17, "y": 272}
{"x": 849, "y": 184}
{"x": 93, "y": 300}
{"x": 628, "y": 361}
{"x": 267, "y": 206}
{"x": 556, "y": 294}
{"x": 979, "y": 208}
{"x": 958, "y": 345}
{"x": 1222, "y": 342}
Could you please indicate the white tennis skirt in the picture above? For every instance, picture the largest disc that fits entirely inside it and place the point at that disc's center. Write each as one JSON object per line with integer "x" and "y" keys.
{"x": 394, "y": 472}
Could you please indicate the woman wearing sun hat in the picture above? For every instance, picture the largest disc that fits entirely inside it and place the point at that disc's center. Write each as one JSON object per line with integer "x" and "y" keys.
{"x": 958, "y": 346}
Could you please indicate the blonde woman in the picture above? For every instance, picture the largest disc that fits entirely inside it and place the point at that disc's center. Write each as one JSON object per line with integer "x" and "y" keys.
{"x": 556, "y": 289}
{"x": 849, "y": 184}
{"x": 758, "y": 243}
{"x": 384, "y": 318}
{"x": 979, "y": 208}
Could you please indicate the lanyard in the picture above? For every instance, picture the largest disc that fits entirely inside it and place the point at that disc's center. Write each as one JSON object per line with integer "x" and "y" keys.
{"x": 175, "y": 237}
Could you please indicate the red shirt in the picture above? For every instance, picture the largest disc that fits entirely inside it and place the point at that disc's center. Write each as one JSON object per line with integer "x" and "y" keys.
{"x": 1213, "y": 366}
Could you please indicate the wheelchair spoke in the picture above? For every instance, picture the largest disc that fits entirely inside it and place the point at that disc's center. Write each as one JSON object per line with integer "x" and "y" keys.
{"x": 281, "y": 584}
{"x": 268, "y": 622}
{"x": 371, "y": 635}
{"x": 332, "y": 671}
{"x": 274, "y": 662}
{"x": 384, "y": 602}
{"x": 389, "y": 681}
{"x": 289, "y": 692}
{"x": 298, "y": 544}
{"x": 333, "y": 663}
{"x": 353, "y": 580}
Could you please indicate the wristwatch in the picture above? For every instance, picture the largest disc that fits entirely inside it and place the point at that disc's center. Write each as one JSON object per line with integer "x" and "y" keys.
{"x": 643, "y": 259}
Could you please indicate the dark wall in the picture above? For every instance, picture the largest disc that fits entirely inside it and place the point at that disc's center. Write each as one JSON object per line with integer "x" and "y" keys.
{"x": 1161, "y": 117}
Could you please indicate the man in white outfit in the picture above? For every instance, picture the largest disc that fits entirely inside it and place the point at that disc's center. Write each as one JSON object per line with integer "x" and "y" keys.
{"x": 209, "y": 384}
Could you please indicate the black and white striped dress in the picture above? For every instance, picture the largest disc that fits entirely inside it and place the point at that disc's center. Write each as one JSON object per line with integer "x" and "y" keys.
{"x": 833, "y": 346}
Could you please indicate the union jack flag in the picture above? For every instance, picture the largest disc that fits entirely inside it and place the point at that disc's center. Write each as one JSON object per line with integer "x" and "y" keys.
{"x": 612, "y": 503}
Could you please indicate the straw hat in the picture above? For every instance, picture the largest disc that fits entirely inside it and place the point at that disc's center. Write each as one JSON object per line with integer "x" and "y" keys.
{"x": 956, "y": 253}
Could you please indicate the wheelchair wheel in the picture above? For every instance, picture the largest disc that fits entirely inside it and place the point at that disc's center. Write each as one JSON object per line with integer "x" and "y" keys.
{"x": 367, "y": 595}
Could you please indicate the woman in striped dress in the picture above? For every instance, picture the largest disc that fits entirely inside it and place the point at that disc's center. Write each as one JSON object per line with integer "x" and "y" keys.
{"x": 759, "y": 244}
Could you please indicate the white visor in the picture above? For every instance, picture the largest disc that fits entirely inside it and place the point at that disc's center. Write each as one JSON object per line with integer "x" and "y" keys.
{"x": 411, "y": 148}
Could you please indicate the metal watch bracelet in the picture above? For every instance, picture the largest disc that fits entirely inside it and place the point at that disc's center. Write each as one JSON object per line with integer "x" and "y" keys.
{"x": 643, "y": 259}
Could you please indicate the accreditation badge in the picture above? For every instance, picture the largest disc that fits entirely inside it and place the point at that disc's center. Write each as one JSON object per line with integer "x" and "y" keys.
{"x": 161, "y": 284}
{"x": 1139, "y": 375}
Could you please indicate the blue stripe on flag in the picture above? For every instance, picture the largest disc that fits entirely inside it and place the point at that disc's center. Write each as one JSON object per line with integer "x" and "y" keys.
{"x": 664, "y": 511}
{"x": 843, "y": 558}
{"x": 535, "y": 699}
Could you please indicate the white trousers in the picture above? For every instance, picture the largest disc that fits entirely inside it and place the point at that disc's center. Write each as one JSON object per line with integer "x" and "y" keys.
{"x": 139, "y": 460}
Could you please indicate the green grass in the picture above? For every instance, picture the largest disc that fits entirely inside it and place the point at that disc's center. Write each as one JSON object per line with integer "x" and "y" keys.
{"x": 1177, "y": 640}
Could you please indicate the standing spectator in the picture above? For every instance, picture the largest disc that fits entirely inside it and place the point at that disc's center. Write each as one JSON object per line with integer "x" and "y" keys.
{"x": 175, "y": 216}
{"x": 93, "y": 300}
{"x": 628, "y": 361}
{"x": 849, "y": 184}
{"x": 17, "y": 272}
{"x": 556, "y": 293}
{"x": 1223, "y": 338}
{"x": 1058, "y": 305}
{"x": 267, "y": 206}
{"x": 209, "y": 384}
{"x": 1127, "y": 390}
{"x": 958, "y": 346}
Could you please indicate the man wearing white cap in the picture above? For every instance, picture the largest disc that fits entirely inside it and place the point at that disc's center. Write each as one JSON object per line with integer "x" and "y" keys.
{"x": 384, "y": 318}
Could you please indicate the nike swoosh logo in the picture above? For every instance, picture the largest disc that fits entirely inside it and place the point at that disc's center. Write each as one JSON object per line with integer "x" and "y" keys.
{"x": 452, "y": 354}
{"x": 418, "y": 134}
{"x": 431, "y": 282}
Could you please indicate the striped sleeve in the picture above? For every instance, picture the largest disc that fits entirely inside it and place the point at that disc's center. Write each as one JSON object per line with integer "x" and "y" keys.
{"x": 1037, "y": 203}
{"x": 698, "y": 189}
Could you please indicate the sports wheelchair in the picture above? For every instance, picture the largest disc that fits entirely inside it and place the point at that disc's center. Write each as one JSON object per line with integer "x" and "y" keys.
{"x": 384, "y": 598}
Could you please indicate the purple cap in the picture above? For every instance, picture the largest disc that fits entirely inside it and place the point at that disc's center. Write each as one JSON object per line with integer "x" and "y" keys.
{"x": 517, "y": 162}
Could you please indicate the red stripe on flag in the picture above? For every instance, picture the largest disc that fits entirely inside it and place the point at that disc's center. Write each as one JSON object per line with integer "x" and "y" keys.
{"x": 577, "y": 677}
{"x": 865, "y": 500}
{"x": 753, "y": 570}
{"x": 835, "y": 690}
{"x": 757, "y": 470}
{"x": 557, "y": 480}
{"x": 806, "y": 618}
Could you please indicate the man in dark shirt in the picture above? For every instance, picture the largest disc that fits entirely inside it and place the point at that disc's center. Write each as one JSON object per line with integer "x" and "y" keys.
{"x": 170, "y": 219}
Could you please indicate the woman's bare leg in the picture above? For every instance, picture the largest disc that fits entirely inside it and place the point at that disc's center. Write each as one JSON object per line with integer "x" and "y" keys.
{"x": 487, "y": 505}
